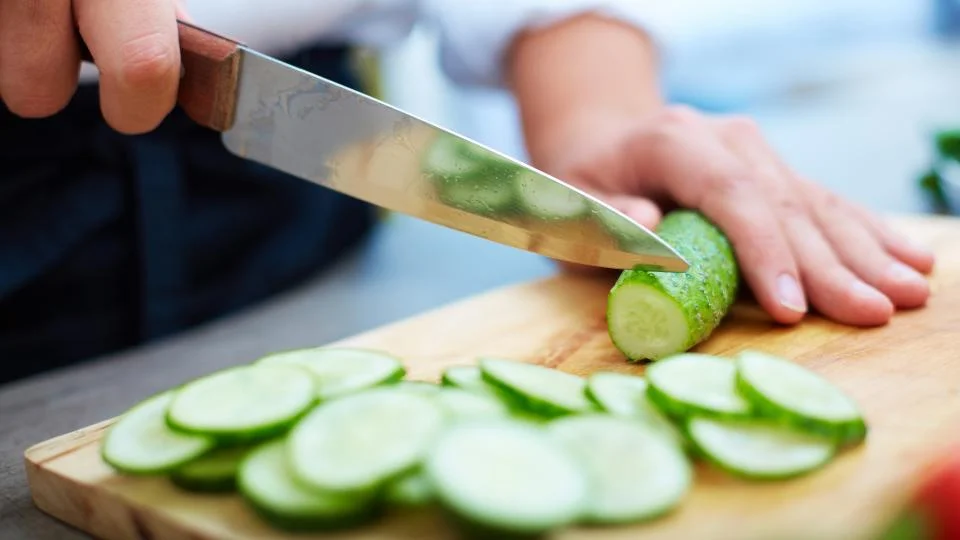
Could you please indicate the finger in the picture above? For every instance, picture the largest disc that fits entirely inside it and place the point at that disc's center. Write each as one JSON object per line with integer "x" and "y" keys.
{"x": 862, "y": 252}
{"x": 919, "y": 257}
{"x": 182, "y": 13}
{"x": 39, "y": 55}
{"x": 640, "y": 209}
{"x": 136, "y": 48}
{"x": 699, "y": 172}
{"x": 834, "y": 290}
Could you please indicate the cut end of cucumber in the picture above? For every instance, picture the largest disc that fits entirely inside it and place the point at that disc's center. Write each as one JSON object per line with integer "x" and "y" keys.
{"x": 645, "y": 323}
{"x": 758, "y": 449}
{"x": 141, "y": 441}
{"x": 358, "y": 442}
{"x": 786, "y": 390}
{"x": 636, "y": 472}
{"x": 340, "y": 371}
{"x": 507, "y": 476}
{"x": 692, "y": 383}
{"x": 248, "y": 401}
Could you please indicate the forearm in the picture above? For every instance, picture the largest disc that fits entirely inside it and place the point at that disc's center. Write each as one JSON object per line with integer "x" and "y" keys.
{"x": 573, "y": 75}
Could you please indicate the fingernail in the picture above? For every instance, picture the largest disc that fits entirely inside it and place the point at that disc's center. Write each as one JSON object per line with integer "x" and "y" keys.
{"x": 791, "y": 297}
{"x": 902, "y": 273}
{"x": 866, "y": 292}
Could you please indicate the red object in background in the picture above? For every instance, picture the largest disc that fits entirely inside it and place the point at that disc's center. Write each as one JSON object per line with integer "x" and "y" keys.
{"x": 939, "y": 499}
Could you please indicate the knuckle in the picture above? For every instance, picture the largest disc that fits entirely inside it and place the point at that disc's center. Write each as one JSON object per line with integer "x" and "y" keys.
{"x": 148, "y": 61}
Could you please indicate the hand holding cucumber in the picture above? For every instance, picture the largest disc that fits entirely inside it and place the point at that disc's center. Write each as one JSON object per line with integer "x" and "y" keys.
{"x": 798, "y": 246}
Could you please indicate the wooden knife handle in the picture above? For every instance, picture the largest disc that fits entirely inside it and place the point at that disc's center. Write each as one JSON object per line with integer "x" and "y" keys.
{"x": 210, "y": 72}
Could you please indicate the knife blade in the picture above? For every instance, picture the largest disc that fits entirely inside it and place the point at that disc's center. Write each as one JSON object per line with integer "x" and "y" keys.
{"x": 315, "y": 129}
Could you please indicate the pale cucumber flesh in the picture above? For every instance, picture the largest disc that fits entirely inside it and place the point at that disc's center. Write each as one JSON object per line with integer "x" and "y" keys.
{"x": 636, "y": 472}
{"x": 545, "y": 390}
{"x": 693, "y": 383}
{"x": 357, "y": 443}
{"x": 243, "y": 402}
{"x": 524, "y": 483}
{"x": 756, "y": 449}
{"x": 265, "y": 481}
{"x": 339, "y": 370}
{"x": 141, "y": 441}
{"x": 787, "y": 391}
{"x": 625, "y": 396}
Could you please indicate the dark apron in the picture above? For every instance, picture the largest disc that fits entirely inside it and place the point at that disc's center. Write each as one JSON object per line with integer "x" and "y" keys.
{"x": 109, "y": 241}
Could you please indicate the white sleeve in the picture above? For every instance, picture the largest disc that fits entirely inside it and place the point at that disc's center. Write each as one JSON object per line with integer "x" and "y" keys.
{"x": 474, "y": 35}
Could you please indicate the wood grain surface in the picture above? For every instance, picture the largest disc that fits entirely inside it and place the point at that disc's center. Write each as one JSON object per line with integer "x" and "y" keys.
{"x": 905, "y": 375}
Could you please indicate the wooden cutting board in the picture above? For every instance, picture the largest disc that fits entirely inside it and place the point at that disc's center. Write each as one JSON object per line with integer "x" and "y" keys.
{"x": 905, "y": 375}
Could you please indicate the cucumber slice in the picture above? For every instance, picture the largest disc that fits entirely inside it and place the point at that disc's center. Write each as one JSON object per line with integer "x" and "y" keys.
{"x": 466, "y": 377}
{"x": 548, "y": 200}
{"x": 265, "y": 482}
{"x": 243, "y": 403}
{"x": 358, "y": 442}
{"x": 341, "y": 371}
{"x": 785, "y": 390}
{"x": 463, "y": 405}
{"x": 626, "y": 396}
{"x": 506, "y": 476}
{"x": 140, "y": 442}
{"x": 411, "y": 489}
{"x": 693, "y": 383}
{"x": 213, "y": 472}
{"x": 545, "y": 391}
{"x": 636, "y": 474}
{"x": 652, "y": 315}
{"x": 759, "y": 449}
{"x": 419, "y": 387}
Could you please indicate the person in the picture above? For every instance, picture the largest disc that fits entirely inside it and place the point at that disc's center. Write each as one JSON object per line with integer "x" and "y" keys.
{"x": 122, "y": 221}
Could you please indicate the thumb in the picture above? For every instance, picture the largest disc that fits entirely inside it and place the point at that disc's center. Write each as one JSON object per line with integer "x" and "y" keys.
{"x": 640, "y": 209}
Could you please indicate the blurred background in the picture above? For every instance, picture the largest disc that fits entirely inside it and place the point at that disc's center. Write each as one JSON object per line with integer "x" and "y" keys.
{"x": 849, "y": 90}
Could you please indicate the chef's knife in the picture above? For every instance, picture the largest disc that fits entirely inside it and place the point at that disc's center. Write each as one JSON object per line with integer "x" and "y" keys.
{"x": 315, "y": 129}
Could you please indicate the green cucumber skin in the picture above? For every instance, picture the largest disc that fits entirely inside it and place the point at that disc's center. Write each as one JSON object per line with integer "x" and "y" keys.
{"x": 198, "y": 485}
{"x": 704, "y": 455}
{"x": 527, "y": 407}
{"x": 190, "y": 478}
{"x": 703, "y": 294}
{"x": 845, "y": 433}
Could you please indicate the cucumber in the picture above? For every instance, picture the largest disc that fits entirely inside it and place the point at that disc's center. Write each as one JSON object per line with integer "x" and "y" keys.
{"x": 411, "y": 489}
{"x": 545, "y": 391}
{"x": 506, "y": 476}
{"x": 468, "y": 378}
{"x": 419, "y": 387}
{"x": 463, "y": 405}
{"x": 359, "y": 442}
{"x": 636, "y": 473}
{"x": 625, "y": 396}
{"x": 141, "y": 443}
{"x": 692, "y": 383}
{"x": 784, "y": 390}
{"x": 652, "y": 315}
{"x": 341, "y": 371}
{"x": 213, "y": 472}
{"x": 265, "y": 482}
{"x": 759, "y": 449}
{"x": 548, "y": 200}
{"x": 243, "y": 403}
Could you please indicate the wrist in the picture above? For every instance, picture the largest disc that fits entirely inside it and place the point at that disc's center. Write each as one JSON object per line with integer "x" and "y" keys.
{"x": 579, "y": 76}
